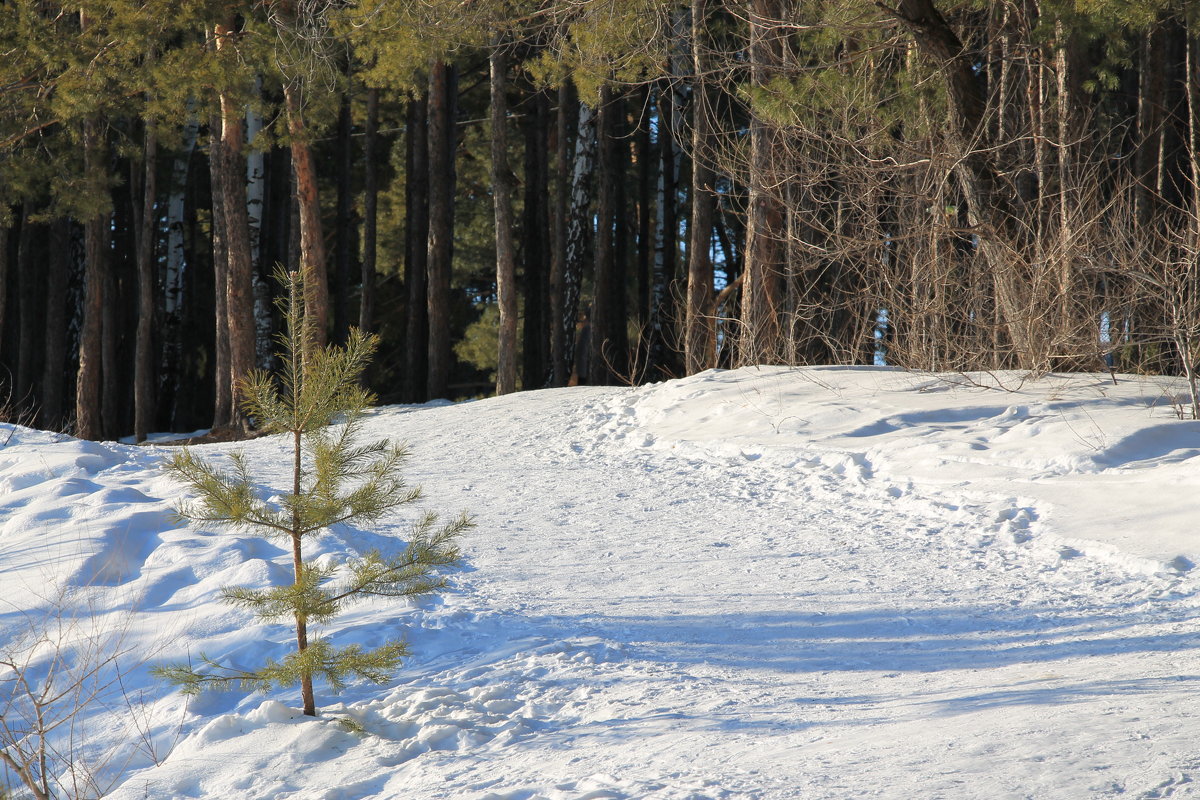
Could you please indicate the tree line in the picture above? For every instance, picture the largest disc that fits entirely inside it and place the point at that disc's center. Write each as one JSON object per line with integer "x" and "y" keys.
{"x": 520, "y": 194}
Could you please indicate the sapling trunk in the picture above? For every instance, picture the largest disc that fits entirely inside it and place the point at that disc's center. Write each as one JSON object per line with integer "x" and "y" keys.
{"x": 306, "y": 686}
{"x": 299, "y": 360}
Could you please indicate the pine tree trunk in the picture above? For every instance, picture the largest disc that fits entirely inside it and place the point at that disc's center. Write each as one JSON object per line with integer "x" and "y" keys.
{"x": 29, "y": 280}
{"x": 306, "y": 683}
{"x": 442, "y": 144}
{"x": 112, "y": 380}
{"x": 143, "y": 383}
{"x": 366, "y": 308}
{"x": 55, "y": 324}
{"x": 416, "y": 274}
{"x": 506, "y": 278}
{"x": 222, "y": 386}
{"x": 307, "y": 696}
{"x": 561, "y": 335}
{"x": 88, "y": 422}
{"x": 645, "y": 229}
{"x": 276, "y": 243}
{"x": 578, "y": 229}
{"x": 762, "y": 285}
{"x": 344, "y": 254}
{"x": 229, "y": 213}
{"x": 296, "y": 322}
{"x": 535, "y": 349}
{"x": 295, "y": 245}
{"x": 699, "y": 326}
{"x": 602, "y": 360}
{"x": 662, "y": 321}
{"x": 239, "y": 288}
{"x": 5, "y": 271}
{"x": 618, "y": 303}
{"x": 1151, "y": 103}
{"x": 277, "y": 211}
{"x": 312, "y": 243}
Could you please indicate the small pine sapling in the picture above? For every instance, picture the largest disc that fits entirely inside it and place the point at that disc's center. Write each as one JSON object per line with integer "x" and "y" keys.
{"x": 319, "y": 402}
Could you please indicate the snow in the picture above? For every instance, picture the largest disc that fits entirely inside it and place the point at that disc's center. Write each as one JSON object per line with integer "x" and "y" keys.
{"x": 762, "y": 583}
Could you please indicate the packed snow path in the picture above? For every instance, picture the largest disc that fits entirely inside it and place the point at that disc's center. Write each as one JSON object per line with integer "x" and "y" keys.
{"x": 679, "y": 592}
{"x": 774, "y": 627}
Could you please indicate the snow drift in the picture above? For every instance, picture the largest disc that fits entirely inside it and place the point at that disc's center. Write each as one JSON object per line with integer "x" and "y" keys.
{"x": 766, "y": 583}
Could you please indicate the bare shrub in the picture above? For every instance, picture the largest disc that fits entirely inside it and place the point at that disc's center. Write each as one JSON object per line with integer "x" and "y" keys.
{"x": 59, "y": 673}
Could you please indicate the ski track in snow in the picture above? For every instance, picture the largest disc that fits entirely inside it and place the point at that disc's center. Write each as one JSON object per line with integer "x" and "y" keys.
{"x": 647, "y": 614}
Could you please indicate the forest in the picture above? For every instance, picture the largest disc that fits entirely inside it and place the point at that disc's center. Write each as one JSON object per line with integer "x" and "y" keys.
{"x": 517, "y": 194}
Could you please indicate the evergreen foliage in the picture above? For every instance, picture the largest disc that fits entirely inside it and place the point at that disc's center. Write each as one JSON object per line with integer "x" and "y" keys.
{"x": 997, "y": 176}
{"x": 319, "y": 402}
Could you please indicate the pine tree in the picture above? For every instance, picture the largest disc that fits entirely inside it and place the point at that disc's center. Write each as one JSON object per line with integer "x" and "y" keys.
{"x": 319, "y": 402}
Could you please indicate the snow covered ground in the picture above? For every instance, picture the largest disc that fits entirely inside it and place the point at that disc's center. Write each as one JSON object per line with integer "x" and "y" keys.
{"x": 765, "y": 583}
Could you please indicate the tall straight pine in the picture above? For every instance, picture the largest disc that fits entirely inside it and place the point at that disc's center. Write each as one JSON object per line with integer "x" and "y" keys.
{"x": 317, "y": 402}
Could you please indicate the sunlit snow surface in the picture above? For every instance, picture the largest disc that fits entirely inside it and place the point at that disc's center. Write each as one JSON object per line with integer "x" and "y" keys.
{"x": 766, "y": 583}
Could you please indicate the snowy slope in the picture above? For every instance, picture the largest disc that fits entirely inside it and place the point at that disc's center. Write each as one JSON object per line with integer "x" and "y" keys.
{"x": 765, "y": 583}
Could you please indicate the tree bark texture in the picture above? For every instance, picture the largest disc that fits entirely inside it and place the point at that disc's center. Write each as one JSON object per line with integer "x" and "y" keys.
{"x": 143, "y": 381}
{"x": 307, "y": 698}
{"x": 506, "y": 274}
{"x": 603, "y": 360}
{"x": 761, "y": 334}
{"x": 239, "y": 275}
{"x": 88, "y": 421}
{"x": 366, "y": 306}
{"x": 5, "y": 271}
{"x": 416, "y": 276}
{"x": 229, "y": 172}
{"x": 663, "y": 343}
{"x": 561, "y": 333}
{"x": 344, "y": 253}
{"x": 644, "y": 153}
{"x": 223, "y": 408}
{"x": 29, "y": 336}
{"x": 443, "y": 137}
{"x": 608, "y": 360}
{"x": 619, "y": 331}
{"x": 312, "y": 243}
{"x": 57, "y": 277}
{"x": 113, "y": 379}
{"x": 535, "y": 350}
{"x": 699, "y": 326}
